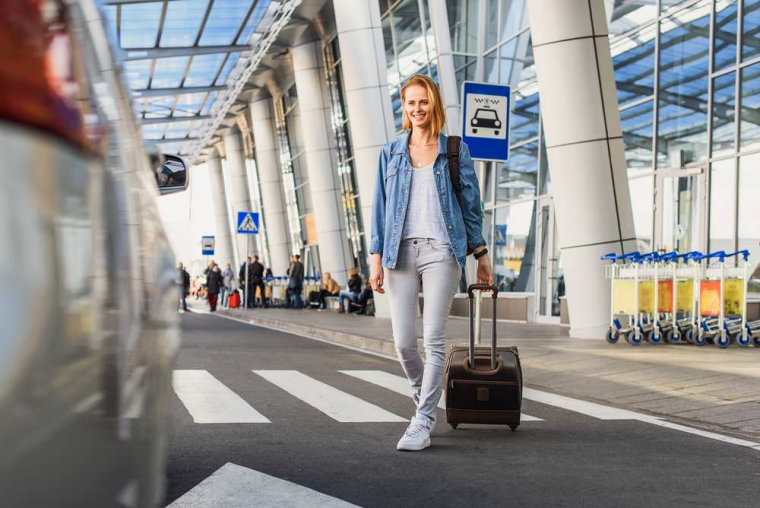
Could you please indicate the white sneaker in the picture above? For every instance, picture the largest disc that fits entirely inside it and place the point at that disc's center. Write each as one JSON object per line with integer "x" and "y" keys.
{"x": 416, "y": 437}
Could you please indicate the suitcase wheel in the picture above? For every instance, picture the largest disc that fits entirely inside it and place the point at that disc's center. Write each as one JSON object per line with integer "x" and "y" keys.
{"x": 454, "y": 425}
{"x": 513, "y": 427}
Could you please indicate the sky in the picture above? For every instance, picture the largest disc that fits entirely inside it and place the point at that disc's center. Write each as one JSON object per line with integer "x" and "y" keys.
{"x": 187, "y": 216}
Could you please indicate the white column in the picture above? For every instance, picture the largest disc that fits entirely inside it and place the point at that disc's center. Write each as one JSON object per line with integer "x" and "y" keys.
{"x": 239, "y": 196}
{"x": 369, "y": 104}
{"x": 584, "y": 141}
{"x": 446, "y": 70}
{"x": 319, "y": 145}
{"x": 223, "y": 247}
{"x": 270, "y": 179}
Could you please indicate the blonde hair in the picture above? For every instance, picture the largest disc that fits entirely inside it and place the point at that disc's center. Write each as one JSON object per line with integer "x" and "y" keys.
{"x": 352, "y": 272}
{"x": 326, "y": 276}
{"x": 437, "y": 113}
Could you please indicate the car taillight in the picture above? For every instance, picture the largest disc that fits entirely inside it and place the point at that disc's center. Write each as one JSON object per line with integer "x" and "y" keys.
{"x": 38, "y": 83}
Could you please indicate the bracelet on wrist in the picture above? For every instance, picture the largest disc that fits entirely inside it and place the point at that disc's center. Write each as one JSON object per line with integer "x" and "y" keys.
{"x": 480, "y": 254}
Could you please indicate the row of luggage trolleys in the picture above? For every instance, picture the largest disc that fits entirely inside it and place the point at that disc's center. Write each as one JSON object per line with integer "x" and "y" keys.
{"x": 277, "y": 288}
{"x": 673, "y": 297}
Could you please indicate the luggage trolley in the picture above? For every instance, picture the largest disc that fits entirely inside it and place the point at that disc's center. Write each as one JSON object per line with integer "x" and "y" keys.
{"x": 684, "y": 317}
{"x": 665, "y": 322}
{"x": 723, "y": 302}
{"x": 647, "y": 325}
{"x": 622, "y": 272}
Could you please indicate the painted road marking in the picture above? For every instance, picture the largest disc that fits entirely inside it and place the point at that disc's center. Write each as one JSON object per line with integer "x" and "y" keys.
{"x": 336, "y": 404}
{"x": 209, "y": 401}
{"x": 579, "y": 406}
{"x": 602, "y": 412}
{"x": 400, "y": 385}
{"x": 234, "y": 486}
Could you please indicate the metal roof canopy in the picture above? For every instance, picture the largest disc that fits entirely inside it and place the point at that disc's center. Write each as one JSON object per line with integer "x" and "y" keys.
{"x": 187, "y": 61}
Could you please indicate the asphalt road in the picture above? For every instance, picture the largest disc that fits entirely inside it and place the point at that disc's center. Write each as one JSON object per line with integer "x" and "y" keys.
{"x": 566, "y": 459}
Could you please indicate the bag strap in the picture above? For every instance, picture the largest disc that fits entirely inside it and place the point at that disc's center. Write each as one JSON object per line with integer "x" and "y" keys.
{"x": 452, "y": 153}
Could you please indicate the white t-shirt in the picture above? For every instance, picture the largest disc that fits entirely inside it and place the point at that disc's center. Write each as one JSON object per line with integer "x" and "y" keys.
{"x": 424, "y": 218}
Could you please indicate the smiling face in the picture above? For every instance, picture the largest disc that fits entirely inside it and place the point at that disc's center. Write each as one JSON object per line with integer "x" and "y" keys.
{"x": 417, "y": 107}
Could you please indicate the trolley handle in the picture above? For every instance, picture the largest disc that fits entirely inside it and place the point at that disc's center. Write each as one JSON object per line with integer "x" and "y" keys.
{"x": 742, "y": 253}
{"x": 721, "y": 254}
{"x": 651, "y": 256}
{"x": 620, "y": 257}
{"x": 693, "y": 255}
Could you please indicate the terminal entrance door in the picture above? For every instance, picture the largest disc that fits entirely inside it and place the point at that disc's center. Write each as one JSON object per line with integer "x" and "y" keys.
{"x": 549, "y": 276}
{"x": 681, "y": 208}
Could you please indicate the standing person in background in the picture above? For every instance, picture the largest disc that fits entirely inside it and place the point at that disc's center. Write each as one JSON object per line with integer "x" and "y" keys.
{"x": 184, "y": 281}
{"x": 214, "y": 282}
{"x": 330, "y": 287}
{"x": 422, "y": 229}
{"x": 256, "y": 279}
{"x": 354, "y": 290}
{"x": 241, "y": 276}
{"x": 228, "y": 276}
{"x": 295, "y": 281}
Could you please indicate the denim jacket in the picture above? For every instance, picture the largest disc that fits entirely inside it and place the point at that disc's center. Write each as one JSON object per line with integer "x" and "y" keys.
{"x": 394, "y": 177}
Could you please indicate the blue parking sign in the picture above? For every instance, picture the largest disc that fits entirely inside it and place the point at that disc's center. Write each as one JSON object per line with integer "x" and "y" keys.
{"x": 485, "y": 116}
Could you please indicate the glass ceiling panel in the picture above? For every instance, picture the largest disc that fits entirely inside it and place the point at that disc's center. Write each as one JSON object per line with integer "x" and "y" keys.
{"x": 155, "y": 131}
{"x": 161, "y": 105}
{"x": 209, "y": 103}
{"x": 189, "y": 104}
{"x": 137, "y": 73}
{"x": 169, "y": 72}
{"x": 253, "y": 21}
{"x": 178, "y": 130}
{"x": 225, "y": 74}
{"x": 183, "y": 20}
{"x": 110, "y": 12}
{"x": 170, "y": 147}
{"x": 203, "y": 70}
{"x": 224, "y": 22}
{"x": 139, "y": 24}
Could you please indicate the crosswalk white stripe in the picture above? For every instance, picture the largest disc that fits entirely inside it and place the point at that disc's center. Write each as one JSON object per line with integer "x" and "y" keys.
{"x": 234, "y": 486}
{"x": 209, "y": 401}
{"x": 400, "y": 385}
{"x": 335, "y": 403}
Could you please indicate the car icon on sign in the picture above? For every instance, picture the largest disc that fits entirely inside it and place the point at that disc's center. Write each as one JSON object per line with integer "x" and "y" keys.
{"x": 485, "y": 119}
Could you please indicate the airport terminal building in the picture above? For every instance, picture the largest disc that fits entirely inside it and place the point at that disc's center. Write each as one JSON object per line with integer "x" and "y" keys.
{"x": 287, "y": 104}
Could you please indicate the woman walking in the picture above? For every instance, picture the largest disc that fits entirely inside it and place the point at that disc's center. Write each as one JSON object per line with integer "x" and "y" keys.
{"x": 215, "y": 282}
{"x": 420, "y": 232}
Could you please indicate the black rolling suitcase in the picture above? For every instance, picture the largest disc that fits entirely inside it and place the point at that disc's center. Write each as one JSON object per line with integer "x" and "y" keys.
{"x": 483, "y": 384}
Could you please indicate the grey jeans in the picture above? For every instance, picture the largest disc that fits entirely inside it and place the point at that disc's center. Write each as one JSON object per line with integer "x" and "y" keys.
{"x": 429, "y": 260}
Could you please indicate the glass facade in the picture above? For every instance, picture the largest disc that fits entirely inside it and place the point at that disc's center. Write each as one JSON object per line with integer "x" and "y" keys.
{"x": 409, "y": 46}
{"x": 293, "y": 166}
{"x": 688, "y": 80}
{"x": 346, "y": 166}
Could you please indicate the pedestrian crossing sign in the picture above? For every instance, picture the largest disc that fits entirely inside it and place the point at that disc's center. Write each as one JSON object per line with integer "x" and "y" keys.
{"x": 248, "y": 223}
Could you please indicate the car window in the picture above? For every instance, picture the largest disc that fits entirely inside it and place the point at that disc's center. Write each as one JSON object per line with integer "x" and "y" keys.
{"x": 486, "y": 113}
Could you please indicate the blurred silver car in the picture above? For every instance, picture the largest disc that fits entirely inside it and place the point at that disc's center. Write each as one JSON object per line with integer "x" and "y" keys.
{"x": 88, "y": 307}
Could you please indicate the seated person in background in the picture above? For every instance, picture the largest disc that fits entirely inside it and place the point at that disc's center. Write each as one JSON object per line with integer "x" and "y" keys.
{"x": 330, "y": 287}
{"x": 354, "y": 289}
{"x": 365, "y": 297}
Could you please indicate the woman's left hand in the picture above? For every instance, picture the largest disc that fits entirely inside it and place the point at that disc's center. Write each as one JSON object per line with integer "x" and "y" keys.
{"x": 485, "y": 271}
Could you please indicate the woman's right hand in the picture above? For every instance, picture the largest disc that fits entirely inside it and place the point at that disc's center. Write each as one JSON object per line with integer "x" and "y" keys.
{"x": 376, "y": 273}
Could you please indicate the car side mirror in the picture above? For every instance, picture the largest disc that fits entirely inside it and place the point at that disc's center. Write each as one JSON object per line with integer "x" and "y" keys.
{"x": 171, "y": 174}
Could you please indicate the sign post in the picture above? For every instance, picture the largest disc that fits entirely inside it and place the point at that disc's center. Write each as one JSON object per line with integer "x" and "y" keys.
{"x": 485, "y": 129}
{"x": 248, "y": 224}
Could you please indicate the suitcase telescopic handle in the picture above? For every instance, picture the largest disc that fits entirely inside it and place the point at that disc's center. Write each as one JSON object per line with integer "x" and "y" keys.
{"x": 470, "y": 292}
